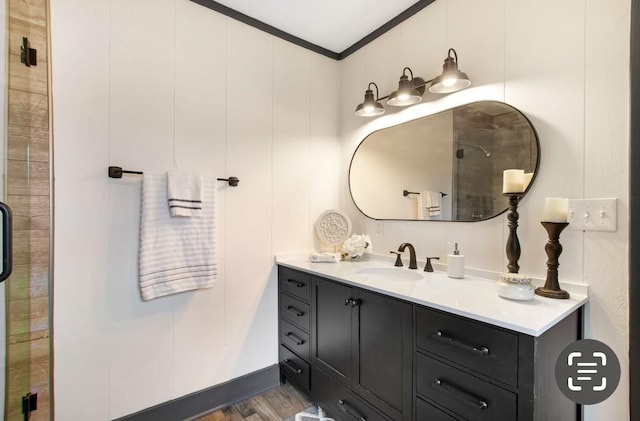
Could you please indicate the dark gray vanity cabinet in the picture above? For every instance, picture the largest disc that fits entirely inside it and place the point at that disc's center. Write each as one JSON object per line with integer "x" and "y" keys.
{"x": 361, "y": 355}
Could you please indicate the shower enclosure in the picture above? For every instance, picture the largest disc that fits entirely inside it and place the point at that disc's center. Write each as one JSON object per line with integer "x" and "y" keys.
{"x": 26, "y": 188}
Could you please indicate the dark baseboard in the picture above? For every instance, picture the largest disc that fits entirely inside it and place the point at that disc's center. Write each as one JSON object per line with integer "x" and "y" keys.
{"x": 212, "y": 399}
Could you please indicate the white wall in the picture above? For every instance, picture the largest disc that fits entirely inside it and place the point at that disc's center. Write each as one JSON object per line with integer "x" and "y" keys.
{"x": 548, "y": 59}
{"x": 157, "y": 84}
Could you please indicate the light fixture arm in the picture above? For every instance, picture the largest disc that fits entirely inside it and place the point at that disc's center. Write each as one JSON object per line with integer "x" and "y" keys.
{"x": 455, "y": 55}
{"x": 377, "y": 92}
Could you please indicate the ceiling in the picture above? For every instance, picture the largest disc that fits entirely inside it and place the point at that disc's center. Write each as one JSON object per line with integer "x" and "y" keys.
{"x": 334, "y": 25}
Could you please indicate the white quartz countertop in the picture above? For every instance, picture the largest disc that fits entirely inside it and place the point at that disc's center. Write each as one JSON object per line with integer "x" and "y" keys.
{"x": 472, "y": 297}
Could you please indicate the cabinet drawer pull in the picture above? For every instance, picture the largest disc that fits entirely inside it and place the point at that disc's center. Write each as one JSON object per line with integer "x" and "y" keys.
{"x": 347, "y": 409}
{"x": 461, "y": 395}
{"x": 296, "y": 283}
{"x": 482, "y": 350}
{"x": 293, "y": 337}
{"x": 294, "y": 310}
{"x": 291, "y": 366}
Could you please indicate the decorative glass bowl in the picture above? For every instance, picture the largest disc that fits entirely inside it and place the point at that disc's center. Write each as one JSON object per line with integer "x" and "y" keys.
{"x": 515, "y": 286}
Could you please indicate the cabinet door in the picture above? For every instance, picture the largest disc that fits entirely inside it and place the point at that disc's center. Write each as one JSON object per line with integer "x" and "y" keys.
{"x": 331, "y": 329}
{"x": 382, "y": 352}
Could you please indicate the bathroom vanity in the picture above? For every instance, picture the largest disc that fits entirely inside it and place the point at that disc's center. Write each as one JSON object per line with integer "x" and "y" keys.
{"x": 367, "y": 342}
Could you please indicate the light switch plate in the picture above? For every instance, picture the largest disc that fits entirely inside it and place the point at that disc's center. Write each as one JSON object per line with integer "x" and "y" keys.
{"x": 593, "y": 214}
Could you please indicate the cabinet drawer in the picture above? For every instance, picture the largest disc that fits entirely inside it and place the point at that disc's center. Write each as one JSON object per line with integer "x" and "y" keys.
{"x": 481, "y": 348}
{"x": 294, "y": 338}
{"x": 426, "y": 411}
{"x": 338, "y": 402}
{"x": 295, "y": 311}
{"x": 294, "y": 282}
{"x": 462, "y": 393}
{"x": 294, "y": 369}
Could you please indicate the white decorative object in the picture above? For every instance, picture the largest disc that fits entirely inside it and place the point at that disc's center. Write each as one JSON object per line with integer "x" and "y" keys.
{"x": 514, "y": 286}
{"x": 325, "y": 257}
{"x": 333, "y": 226}
{"x": 357, "y": 245}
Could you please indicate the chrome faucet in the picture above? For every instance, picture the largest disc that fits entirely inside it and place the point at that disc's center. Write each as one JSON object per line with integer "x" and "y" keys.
{"x": 412, "y": 254}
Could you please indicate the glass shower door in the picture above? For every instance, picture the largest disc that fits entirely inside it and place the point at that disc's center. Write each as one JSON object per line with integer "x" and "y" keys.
{"x": 26, "y": 188}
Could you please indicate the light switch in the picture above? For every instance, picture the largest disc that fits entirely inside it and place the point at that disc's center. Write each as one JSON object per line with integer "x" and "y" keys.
{"x": 593, "y": 214}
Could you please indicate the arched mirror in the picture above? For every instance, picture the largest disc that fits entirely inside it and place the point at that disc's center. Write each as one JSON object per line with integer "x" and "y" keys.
{"x": 443, "y": 167}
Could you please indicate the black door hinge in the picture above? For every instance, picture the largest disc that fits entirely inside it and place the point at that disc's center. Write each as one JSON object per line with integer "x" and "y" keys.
{"x": 29, "y": 404}
{"x": 27, "y": 54}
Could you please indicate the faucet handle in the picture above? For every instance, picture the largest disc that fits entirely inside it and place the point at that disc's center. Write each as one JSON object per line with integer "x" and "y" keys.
{"x": 428, "y": 267}
{"x": 398, "y": 258}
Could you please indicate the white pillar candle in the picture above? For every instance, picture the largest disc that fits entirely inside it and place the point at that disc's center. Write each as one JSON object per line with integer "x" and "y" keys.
{"x": 555, "y": 209}
{"x": 527, "y": 180}
{"x": 512, "y": 181}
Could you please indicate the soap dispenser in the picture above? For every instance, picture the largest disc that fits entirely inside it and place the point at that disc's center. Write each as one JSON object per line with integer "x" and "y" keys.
{"x": 455, "y": 264}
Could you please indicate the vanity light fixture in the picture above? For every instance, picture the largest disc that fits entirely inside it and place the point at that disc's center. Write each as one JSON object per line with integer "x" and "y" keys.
{"x": 410, "y": 91}
{"x": 451, "y": 79}
{"x": 370, "y": 107}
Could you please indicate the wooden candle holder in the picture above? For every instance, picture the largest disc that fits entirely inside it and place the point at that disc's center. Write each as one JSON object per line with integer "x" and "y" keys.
{"x": 553, "y": 248}
{"x": 513, "y": 244}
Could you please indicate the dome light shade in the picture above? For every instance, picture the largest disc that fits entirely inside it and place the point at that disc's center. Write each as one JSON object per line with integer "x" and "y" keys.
{"x": 370, "y": 107}
{"x": 407, "y": 93}
{"x": 451, "y": 79}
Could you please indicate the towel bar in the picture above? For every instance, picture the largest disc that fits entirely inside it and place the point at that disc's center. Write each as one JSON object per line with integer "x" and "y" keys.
{"x": 117, "y": 172}
{"x": 406, "y": 193}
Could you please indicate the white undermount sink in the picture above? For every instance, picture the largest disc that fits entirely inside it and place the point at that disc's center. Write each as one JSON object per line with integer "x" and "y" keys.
{"x": 386, "y": 273}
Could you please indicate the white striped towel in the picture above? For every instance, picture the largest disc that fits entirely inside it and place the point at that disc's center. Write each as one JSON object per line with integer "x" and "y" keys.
{"x": 176, "y": 254}
{"x": 429, "y": 204}
{"x": 185, "y": 193}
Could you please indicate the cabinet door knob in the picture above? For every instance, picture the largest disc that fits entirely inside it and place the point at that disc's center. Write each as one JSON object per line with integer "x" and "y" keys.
{"x": 355, "y": 302}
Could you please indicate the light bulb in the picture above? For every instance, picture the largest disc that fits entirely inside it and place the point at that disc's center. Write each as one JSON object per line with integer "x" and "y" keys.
{"x": 449, "y": 82}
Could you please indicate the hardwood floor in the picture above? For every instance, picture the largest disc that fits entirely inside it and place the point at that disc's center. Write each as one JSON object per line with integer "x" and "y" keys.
{"x": 273, "y": 405}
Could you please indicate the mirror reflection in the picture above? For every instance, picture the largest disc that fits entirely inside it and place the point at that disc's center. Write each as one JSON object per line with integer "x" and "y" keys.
{"x": 443, "y": 167}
